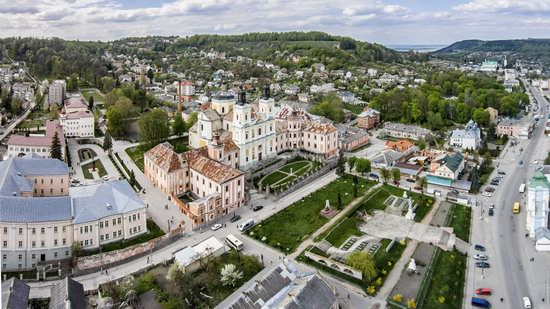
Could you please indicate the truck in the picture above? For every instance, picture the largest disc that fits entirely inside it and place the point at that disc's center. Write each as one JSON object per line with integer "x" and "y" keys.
{"x": 246, "y": 225}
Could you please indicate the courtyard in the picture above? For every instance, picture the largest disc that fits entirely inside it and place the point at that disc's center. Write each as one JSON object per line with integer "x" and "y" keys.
{"x": 287, "y": 173}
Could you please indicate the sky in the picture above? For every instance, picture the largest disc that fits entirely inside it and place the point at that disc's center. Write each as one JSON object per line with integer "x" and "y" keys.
{"x": 387, "y": 22}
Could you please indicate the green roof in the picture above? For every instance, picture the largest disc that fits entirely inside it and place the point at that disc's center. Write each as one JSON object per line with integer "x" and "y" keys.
{"x": 539, "y": 180}
{"x": 453, "y": 162}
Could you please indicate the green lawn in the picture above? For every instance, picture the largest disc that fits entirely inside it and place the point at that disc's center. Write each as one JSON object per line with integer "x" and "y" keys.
{"x": 485, "y": 176}
{"x": 424, "y": 202}
{"x": 98, "y": 96}
{"x": 99, "y": 168}
{"x": 153, "y": 231}
{"x": 286, "y": 229}
{"x": 281, "y": 176}
{"x": 347, "y": 228}
{"x": 136, "y": 153}
{"x": 460, "y": 221}
{"x": 446, "y": 286}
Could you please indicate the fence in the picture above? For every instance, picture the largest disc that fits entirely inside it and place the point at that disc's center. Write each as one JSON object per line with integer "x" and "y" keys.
{"x": 93, "y": 263}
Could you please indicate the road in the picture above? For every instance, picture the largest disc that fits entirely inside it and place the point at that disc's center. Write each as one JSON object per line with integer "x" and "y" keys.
{"x": 512, "y": 275}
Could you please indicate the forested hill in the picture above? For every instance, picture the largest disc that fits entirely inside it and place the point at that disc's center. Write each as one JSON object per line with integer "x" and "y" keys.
{"x": 529, "y": 49}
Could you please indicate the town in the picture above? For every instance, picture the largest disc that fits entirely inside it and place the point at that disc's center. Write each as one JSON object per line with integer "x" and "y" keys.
{"x": 194, "y": 176}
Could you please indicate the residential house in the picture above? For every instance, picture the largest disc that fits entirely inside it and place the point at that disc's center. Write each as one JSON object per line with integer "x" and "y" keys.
{"x": 403, "y": 145}
{"x": 449, "y": 167}
{"x": 351, "y": 138}
{"x": 386, "y": 158}
{"x": 399, "y": 130}
{"x": 408, "y": 170}
{"x": 368, "y": 118}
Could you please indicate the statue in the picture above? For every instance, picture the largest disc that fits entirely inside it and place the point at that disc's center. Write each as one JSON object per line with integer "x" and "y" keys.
{"x": 410, "y": 214}
{"x": 412, "y": 266}
{"x": 405, "y": 194}
{"x": 327, "y": 206}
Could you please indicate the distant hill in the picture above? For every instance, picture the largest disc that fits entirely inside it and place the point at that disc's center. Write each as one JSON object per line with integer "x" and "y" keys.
{"x": 528, "y": 49}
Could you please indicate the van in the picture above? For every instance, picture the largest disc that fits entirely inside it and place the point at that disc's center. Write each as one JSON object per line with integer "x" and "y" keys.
{"x": 246, "y": 225}
{"x": 480, "y": 302}
{"x": 526, "y": 303}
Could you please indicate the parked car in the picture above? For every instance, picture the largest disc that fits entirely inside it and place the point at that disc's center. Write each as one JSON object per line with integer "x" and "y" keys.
{"x": 491, "y": 211}
{"x": 494, "y": 183}
{"x": 501, "y": 173}
{"x": 246, "y": 225}
{"x": 489, "y": 189}
{"x": 257, "y": 207}
{"x": 105, "y": 178}
{"x": 483, "y": 291}
{"x": 418, "y": 188}
{"x": 482, "y": 265}
{"x": 521, "y": 162}
{"x": 481, "y": 257}
{"x": 235, "y": 218}
{"x": 479, "y": 247}
{"x": 411, "y": 180}
{"x": 480, "y": 302}
{"x": 492, "y": 206}
{"x": 487, "y": 194}
{"x": 216, "y": 227}
{"x": 373, "y": 175}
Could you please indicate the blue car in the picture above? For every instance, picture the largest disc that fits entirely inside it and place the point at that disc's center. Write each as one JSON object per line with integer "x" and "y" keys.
{"x": 479, "y": 247}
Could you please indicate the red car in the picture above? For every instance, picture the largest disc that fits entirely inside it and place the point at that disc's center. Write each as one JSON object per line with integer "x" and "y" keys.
{"x": 418, "y": 188}
{"x": 483, "y": 291}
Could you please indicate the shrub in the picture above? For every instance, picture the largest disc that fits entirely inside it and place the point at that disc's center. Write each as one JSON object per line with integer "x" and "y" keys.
{"x": 398, "y": 298}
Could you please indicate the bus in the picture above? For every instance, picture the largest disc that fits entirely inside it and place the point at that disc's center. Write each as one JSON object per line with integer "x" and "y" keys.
{"x": 234, "y": 242}
{"x": 516, "y": 207}
{"x": 522, "y": 188}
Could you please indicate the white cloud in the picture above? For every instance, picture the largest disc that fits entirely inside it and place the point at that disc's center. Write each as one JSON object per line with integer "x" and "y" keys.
{"x": 506, "y": 6}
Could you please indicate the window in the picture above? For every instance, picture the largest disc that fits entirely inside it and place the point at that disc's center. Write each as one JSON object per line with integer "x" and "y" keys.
{"x": 33, "y": 244}
{"x": 42, "y": 181}
{"x": 61, "y": 181}
{"x": 86, "y": 229}
{"x": 20, "y": 245}
{"x": 55, "y": 255}
{"x": 5, "y": 256}
{"x": 107, "y": 236}
{"x": 55, "y": 242}
{"x": 42, "y": 191}
{"x": 20, "y": 257}
{"x": 114, "y": 221}
{"x": 51, "y": 181}
{"x": 86, "y": 242}
{"x": 55, "y": 229}
{"x": 118, "y": 220}
{"x": 114, "y": 234}
{"x": 5, "y": 230}
{"x": 61, "y": 190}
{"x": 42, "y": 243}
{"x": 51, "y": 191}
{"x": 101, "y": 237}
{"x": 119, "y": 233}
{"x": 101, "y": 224}
{"x": 66, "y": 253}
{"x": 34, "y": 231}
{"x": 42, "y": 230}
{"x": 64, "y": 241}
{"x": 81, "y": 230}
{"x": 64, "y": 229}
{"x": 20, "y": 231}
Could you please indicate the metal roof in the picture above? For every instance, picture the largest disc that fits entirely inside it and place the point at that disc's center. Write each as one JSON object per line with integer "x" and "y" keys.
{"x": 103, "y": 200}
{"x": 15, "y": 294}
{"x": 67, "y": 293}
{"x": 31, "y": 209}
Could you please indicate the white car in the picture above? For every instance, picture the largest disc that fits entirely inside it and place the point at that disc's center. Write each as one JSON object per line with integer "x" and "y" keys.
{"x": 487, "y": 194}
{"x": 105, "y": 178}
{"x": 526, "y": 302}
{"x": 481, "y": 257}
{"x": 216, "y": 227}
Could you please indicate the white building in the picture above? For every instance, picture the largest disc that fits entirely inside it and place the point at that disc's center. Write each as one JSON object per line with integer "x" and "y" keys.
{"x": 538, "y": 197}
{"x": 41, "y": 216}
{"x": 467, "y": 138}
{"x": 56, "y": 92}
{"x": 36, "y": 144}
{"x": 76, "y": 119}
{"x": 185, "y": 89}
{"x": 189, "y": 259}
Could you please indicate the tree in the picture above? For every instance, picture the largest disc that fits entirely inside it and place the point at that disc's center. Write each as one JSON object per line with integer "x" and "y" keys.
{"x": 491, "y": 132}
{"x": 230, "y": 275}
{"x": 396, "y": 174}
{"x": 54, "y": 111}
{"x": 340, "y": 165}
{"x": 351, "y": 162}
{"x": 124, "y": 106}
{"x": 107, "y": 142}
{"x": 482, "y": 117}
{"x": 174, "y": 273}
{"x": 115, "y": 122}
{"x": 422, "y": 183}
{"x": 385, "y": 174}
{"x": 363, "y": 166}
{"x": 132, "y": 180}
{"x": 110, "y": 99}
{"x": 72, "y": 83}
{"x": 193, "y": 117}
{"x": 178, "y": 126}
{"x": 330, "y": 107}
{"x": 55, "y": 150}
{"x": 488, "y": 158}
{"x": 16, "y": 105}
{"x": 421, "y": 143}
{"x": 150, "y": 75}
{"x": 154, "y": 127}
{"x": 362, "y": 261}
{"x": 355, "y": 183}
{"x": 107, "y": 84}
{"x": 339, "y": 201}
{"x": 76, "y": 249}
{"x": 91, "y": 102}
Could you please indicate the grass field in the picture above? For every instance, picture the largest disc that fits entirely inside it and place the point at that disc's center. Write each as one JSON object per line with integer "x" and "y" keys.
{"x": 136, "y": 153}
{"x": 460, "y": 221}
{"x": 446, "y": 286}
{"x": 98, "y": 96}
{"x": 282, "y": 176}
{"x": 286, "y": 229}
{"x": 347, "y": 228}
{"x": 99, "y": 168}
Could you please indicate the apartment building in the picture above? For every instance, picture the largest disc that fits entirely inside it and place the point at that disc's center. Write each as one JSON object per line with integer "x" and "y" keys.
{"x": 399, "y": 130}
{"x": 56, "y": 92}
{"x": 76, "y": 119}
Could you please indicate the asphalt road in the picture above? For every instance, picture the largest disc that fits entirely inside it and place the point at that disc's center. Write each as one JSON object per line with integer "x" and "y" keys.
{"x": 512, "y": 275}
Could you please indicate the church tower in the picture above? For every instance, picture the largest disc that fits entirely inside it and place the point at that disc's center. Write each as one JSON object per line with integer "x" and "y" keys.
{"x": 242, "y": 113}
{"x": 267, "y": 103}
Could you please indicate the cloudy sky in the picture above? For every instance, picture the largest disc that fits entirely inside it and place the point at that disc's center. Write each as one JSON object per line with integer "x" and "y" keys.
{"x": 382, "y": 21}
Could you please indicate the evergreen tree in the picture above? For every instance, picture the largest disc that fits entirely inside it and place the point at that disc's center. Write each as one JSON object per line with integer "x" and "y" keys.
{"x": 132, "y": 178}
{"x": 107, "y": 142}
{"x": 150, "y": 75}
{"x": 55, "y": 150}
{"x": 178, "y": 127}
{"x": 341, "y": 164}
{"x": 91, "y": 103}
{"x": 339, "y": 201}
